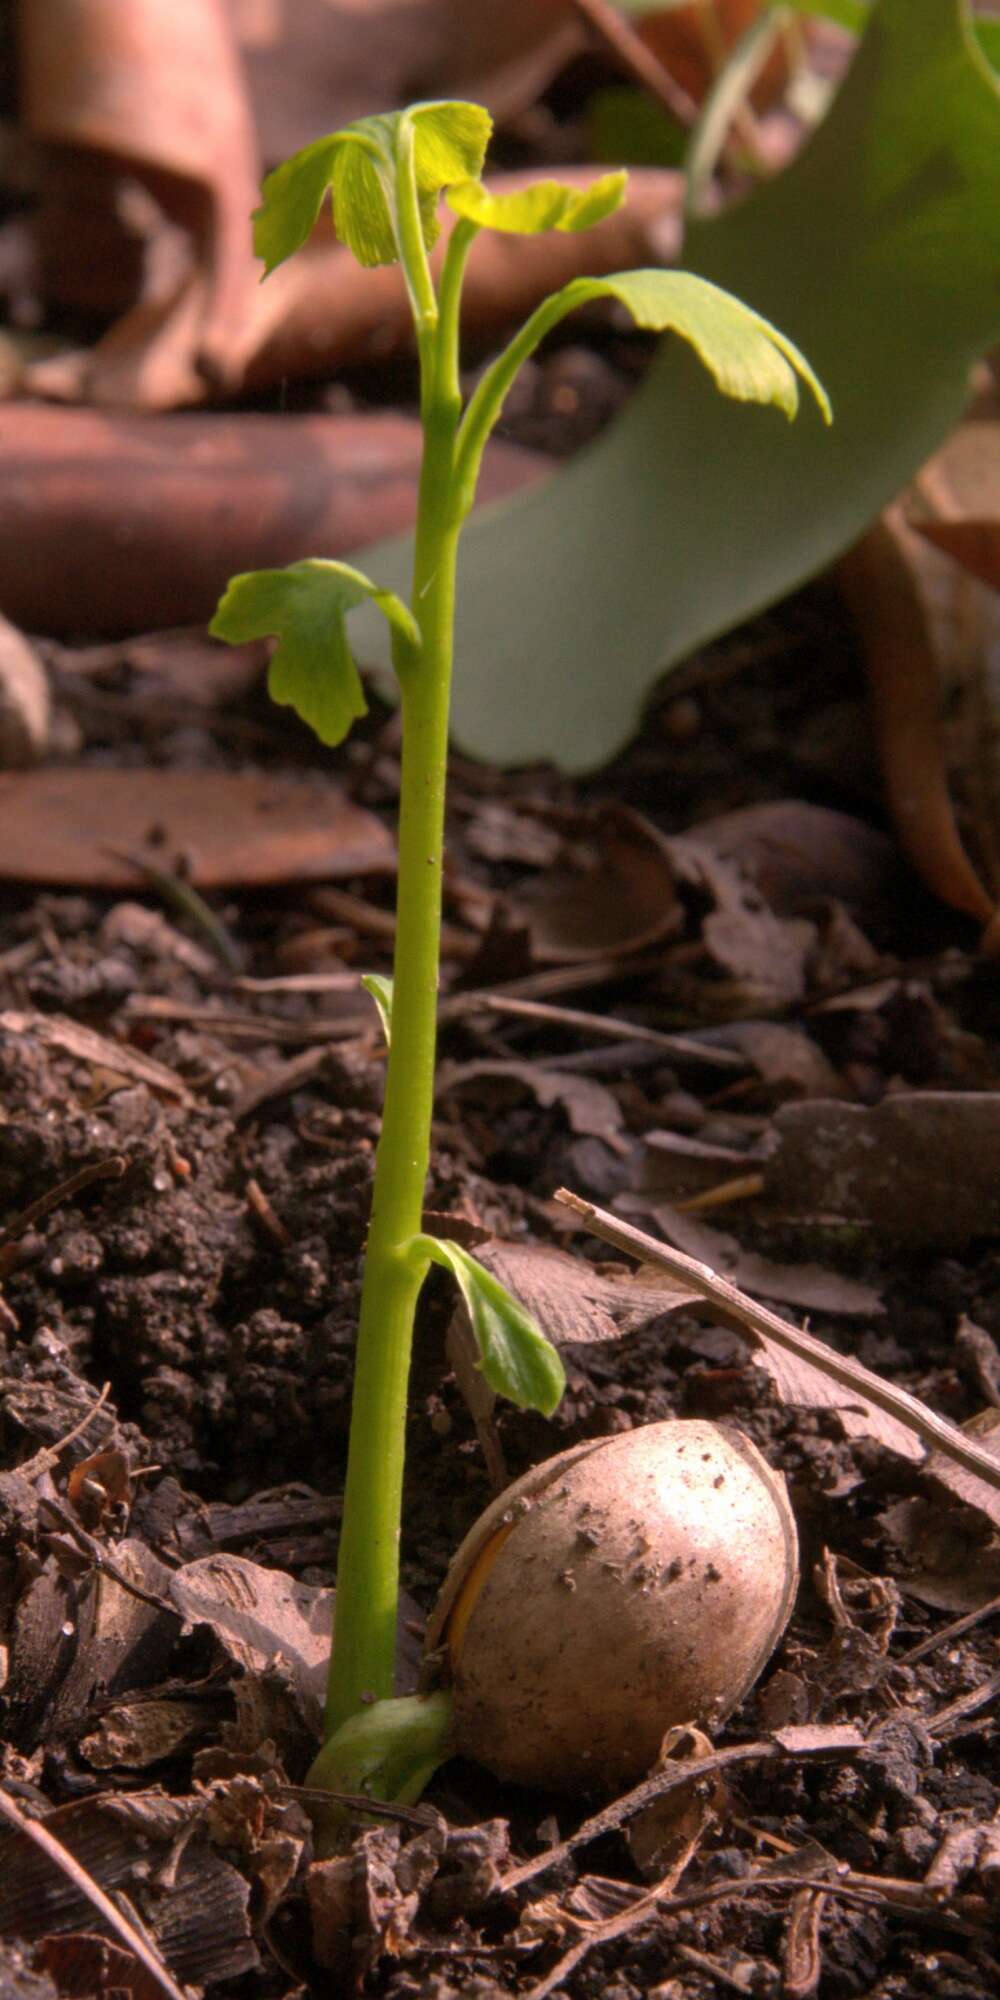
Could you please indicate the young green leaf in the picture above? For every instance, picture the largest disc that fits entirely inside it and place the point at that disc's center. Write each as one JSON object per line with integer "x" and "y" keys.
{"x": 514, "y": 1355}
{"x": 380, "y": 988}
{"x": 544, "y": 205}
{"x": 358, "y": 166}
{"x": 304, "y": 607}
{"x": 747, "y": 356}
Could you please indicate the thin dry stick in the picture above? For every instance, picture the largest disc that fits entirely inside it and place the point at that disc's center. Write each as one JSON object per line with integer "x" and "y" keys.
{"x": 658, "y": 1902}
{"x": 711, "y": 1054}
{"x": 640, "y": 61}
{"x": 67, "y": 1864}
{"x": 610, "y": 1819}
{"x": 50, "y": 1453}
{"x": 101, "y": 1170}
{"x": 966, "y": 1704}
{"x": 936, "y": 1432}
{"x": 956, "y": 1630}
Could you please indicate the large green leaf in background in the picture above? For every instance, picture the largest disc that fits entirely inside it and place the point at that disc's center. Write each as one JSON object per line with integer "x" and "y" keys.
{"x": 878, "y": 253}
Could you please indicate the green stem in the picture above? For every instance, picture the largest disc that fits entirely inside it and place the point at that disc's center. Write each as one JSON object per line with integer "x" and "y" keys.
{"x": 413, "y": 258}
{"x": 487, "y": 401}
{"x": 362, "y": 1663}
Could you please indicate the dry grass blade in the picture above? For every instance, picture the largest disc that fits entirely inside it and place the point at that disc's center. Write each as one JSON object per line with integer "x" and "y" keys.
{"x": 123, "y": 1930}
{"x": 898, "y": 1411}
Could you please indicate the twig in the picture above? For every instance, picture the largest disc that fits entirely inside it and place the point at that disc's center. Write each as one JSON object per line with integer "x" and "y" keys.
{"x": 965, "y": 1704}
{"x": 639, "y": 60}
{"x": 100, "y": 1170}
{"x": 955, "y": 1630}
{"x": 117, "y": 1922}
{"x": 704, "y": 1963}
{"x": 686, "y": 1047}
{"x": 50, "y": 1453}
{"x": 744, "y": 1188}
{"x": 613, "y": 1817}
{"x": 101, "y": 1560}
{"x": 935, "y": 1432}
{"x": 918, "y": 1902}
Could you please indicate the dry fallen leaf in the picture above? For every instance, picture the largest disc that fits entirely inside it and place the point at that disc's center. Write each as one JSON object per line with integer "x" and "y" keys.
{"x": 263, "y": 1621}
{"x": 611, "y": 891}
{"x": 810, "y": 1286}
{"x": 211, "y": 828}
{"x": 589, "y": 1107}
{"x": 798, "y": 854}
{"x": 973, "y": 543}
{"x": 762, "y": 957}
{"x": 195, "y": 1906}
{"x": 314, "y": 66}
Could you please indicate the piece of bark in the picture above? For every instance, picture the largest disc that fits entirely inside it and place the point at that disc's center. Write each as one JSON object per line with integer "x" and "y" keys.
{"x": 118, "y": 524}
{"x": 921, "y": 1169}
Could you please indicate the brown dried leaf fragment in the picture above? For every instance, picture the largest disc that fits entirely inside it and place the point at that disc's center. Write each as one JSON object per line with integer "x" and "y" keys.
{"x": 611, "y": 892}
{"x": 930, "y": 625}
{"x": 212, "y": 828}
{"x": 589, "y": 1108}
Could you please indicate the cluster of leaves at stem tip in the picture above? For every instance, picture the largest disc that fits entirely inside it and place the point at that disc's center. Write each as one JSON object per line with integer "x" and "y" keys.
{"x": 385, "y": 177}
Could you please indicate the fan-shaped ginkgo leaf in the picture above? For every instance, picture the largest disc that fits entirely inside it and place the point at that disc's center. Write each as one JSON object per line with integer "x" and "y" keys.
{"x": 359, "y": 167}
{"x": 543, "y": 205}
{"x": 305, "y": 607}
{"x": 748, "y": 358}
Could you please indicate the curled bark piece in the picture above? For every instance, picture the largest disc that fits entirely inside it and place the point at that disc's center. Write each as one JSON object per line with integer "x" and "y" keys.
{"x": 118, "y": 524}
{"x": 157, "y": 90}
{"x": 884, "y": 588}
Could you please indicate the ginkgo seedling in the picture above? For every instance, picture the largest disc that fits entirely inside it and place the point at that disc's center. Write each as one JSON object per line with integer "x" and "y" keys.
{"x": 385, "y": 178}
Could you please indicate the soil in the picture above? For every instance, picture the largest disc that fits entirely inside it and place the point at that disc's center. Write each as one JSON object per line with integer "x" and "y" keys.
{"x": 201, "y": 1257}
